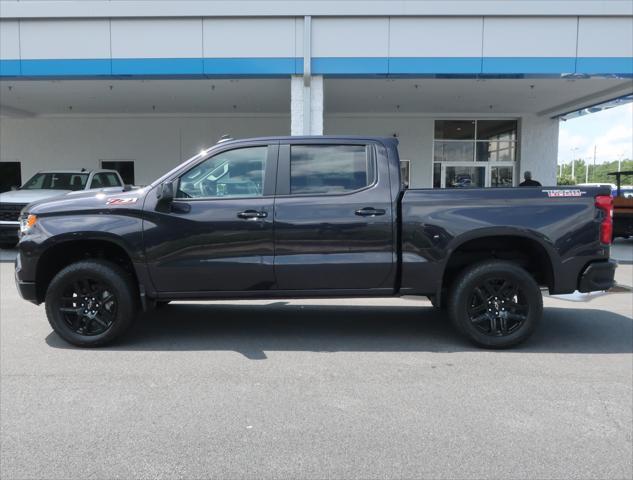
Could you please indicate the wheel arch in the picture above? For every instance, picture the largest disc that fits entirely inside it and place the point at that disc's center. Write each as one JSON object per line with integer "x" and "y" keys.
{"x": 59, "y": 252}
{"x": 526, "y": 248}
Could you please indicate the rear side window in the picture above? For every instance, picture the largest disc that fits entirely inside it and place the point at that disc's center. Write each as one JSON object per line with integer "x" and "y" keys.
{"x": 329, "y": 169}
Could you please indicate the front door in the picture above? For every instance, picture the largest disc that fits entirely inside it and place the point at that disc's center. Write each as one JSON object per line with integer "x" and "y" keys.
{"x": 217, "y": 234}
{"x": 334, "y": 224}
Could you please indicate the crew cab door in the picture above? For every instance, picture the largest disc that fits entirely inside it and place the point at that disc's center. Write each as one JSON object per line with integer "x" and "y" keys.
{"x": 217, "y": 233}
{"x": 334, "y": 222}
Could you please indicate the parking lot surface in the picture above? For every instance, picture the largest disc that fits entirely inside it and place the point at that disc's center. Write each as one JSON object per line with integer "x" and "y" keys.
{"x": 379, "y": 388}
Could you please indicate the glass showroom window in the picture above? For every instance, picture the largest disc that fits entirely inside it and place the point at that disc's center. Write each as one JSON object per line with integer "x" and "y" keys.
{"x": 474, "y": 153}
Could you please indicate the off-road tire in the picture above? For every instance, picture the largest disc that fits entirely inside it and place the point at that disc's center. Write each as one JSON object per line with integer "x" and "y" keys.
{"x": 463, "y": 292}
{"x": 119, "y": 282}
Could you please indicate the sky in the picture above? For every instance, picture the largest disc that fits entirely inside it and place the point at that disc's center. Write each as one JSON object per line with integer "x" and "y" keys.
{"x": 610, "y": 130}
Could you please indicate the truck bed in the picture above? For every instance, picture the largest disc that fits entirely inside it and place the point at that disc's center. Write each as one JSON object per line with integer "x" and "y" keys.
{"x": 559, "y": 224}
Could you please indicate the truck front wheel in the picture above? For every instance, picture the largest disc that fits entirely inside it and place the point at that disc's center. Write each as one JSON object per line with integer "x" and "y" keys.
{"x": 90, "y": 303}
{"x": 495, "y": 304}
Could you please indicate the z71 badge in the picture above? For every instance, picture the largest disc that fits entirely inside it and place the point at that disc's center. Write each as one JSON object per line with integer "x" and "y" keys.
{"x": 564, "y": 193}
{"x": 121, "y": 201}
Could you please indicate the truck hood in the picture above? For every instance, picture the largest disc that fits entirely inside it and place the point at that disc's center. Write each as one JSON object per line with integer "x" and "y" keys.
{"x": 29, "y": 196}
{"x": 90, "y": 200}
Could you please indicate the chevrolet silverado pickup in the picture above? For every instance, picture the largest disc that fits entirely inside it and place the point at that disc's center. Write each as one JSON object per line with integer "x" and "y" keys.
{"x": 311, "y": 217}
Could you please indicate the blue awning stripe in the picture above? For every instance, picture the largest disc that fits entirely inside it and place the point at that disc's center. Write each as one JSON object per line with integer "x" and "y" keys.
{"x": 329, "y": 66}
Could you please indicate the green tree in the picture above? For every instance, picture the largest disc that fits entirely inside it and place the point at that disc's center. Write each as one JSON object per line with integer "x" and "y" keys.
{"x": 597, "y": 174}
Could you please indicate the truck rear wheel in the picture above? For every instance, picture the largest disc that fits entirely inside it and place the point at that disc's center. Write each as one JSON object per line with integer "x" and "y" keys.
{"x": 90, "y": 303}
{"x": 495, "y": 304}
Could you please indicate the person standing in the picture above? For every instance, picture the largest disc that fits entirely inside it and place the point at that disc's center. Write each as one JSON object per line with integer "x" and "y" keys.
{"x": 528, "y": 182}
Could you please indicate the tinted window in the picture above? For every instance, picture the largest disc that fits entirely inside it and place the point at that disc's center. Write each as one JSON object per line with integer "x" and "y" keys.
{"x": 10, "y": 175}
{"x": 318, "y": 169}
{"x": 105, "y": 180}
{"x": 124, "y": 167}
{"x": 455, "y": 129}
{"x": 57, "y": 181}
{"x": 236, "y": 173}
{"x": 497, "y": 130}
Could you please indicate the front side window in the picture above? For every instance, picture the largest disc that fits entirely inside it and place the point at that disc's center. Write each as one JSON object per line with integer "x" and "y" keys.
{"x": 329, "y": 169}
{"x": 234, "y": 173}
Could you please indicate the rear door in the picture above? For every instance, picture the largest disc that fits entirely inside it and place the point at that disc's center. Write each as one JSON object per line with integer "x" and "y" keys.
{"x": 334, "y": 224}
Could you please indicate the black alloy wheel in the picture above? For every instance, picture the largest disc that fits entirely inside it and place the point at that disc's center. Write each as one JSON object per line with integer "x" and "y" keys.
{"x": 495, "y": 304}
{"x": 91, "y": 302}
{"x": 88, "y": 306}
{"x": 498, "y": 307}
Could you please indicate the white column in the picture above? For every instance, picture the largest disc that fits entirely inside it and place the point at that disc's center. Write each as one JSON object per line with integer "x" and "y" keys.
{"x": 306, "y": 99}
{"x": 539, "y": 148}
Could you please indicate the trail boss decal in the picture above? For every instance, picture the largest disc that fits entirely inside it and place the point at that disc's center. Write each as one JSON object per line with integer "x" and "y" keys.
{"x": 121, "y": 201}
{"x": 564, "y": 193}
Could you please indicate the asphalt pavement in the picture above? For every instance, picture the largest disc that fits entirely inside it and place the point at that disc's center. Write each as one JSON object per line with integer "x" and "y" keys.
{"x": 379, "y": 388}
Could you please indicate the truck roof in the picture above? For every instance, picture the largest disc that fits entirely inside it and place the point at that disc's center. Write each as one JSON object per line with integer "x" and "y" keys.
{"x": 77, "y": 170}
{"x": 323, "y": 138}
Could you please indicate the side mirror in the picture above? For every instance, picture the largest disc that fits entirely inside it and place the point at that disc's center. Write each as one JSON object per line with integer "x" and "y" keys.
{"x": 166, "y": 191}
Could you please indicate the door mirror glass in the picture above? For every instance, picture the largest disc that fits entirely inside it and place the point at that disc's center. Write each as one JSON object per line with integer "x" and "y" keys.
{"x": 165, "y": 192}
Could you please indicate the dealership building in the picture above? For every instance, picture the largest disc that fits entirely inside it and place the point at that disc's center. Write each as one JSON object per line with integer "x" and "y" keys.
{"x": 474, "y": 90}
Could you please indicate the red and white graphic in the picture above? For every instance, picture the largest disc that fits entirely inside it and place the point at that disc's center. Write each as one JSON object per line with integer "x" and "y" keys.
{"x": 564, "y": 193}
{"x": 121, "y": 201}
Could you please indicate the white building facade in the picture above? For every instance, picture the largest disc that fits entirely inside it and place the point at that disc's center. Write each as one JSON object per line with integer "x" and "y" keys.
{"x": 474, "y": 90}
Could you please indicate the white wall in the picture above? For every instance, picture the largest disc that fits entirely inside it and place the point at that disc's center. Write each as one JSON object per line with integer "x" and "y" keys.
{"x": 365, "y": 37}
{"x": 155, "y": 144}
{"x": 538, "y": 139}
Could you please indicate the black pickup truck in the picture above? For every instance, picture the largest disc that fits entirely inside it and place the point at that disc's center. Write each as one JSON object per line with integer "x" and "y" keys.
{"x": 311, "y": 217}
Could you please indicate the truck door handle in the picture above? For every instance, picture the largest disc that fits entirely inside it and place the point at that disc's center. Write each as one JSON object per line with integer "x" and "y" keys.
{"x": 370, "y": 212}
{"x": 252, "y": 214}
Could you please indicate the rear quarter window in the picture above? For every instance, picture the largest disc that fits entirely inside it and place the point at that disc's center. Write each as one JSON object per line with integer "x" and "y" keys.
{"x": 329, "y": 169}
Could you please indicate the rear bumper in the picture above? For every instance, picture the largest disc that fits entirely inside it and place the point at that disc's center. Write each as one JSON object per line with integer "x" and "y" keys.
{"x": 597, "y": 276}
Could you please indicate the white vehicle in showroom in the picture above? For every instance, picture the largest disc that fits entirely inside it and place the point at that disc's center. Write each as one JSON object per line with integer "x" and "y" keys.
{"x": 48, "y": 184}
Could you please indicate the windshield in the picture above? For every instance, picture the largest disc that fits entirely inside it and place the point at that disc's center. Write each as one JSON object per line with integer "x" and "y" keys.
{"x": 56, "y": 181}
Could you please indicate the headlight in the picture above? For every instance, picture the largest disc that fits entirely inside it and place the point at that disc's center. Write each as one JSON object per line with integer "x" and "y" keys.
{"x": 27, "y": 222}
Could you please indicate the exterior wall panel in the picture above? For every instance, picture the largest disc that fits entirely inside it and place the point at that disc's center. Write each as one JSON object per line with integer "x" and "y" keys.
{"x": 9, "y": 48}
{"x": 532, "y": 45}
{"x": 249, "y": 38}
{"x": 156, "y": 46}
{"x": 352, "y": 46}
{"x": 157, "y": 38}
{"x": 349, "y": 46}
{"x": 65, "y": 39}
{"x": 435, "y": 37}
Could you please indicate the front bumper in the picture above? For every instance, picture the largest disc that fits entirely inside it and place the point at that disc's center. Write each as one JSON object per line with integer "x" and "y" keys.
{"x": 9, "y": 232}
{"x": 27, "y": 290}
{"x": 597, "y": 276}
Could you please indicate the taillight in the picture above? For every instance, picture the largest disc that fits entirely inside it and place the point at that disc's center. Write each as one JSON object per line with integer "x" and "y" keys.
{"x": 605, "y": 203}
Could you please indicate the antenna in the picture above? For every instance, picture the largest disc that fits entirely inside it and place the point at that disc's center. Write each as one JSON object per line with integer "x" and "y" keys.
{"x": 225, "y": 138}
